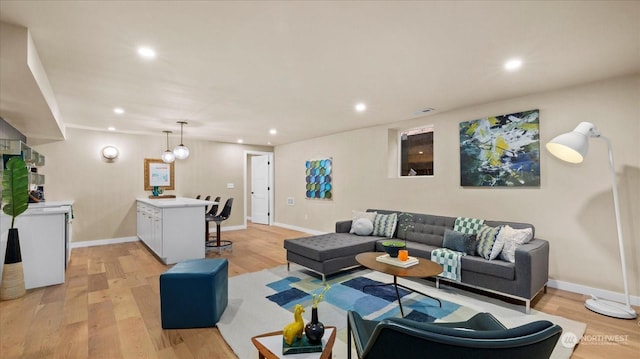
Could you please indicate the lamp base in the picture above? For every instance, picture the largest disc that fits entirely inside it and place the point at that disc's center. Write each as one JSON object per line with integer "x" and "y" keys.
{"x": 610, "y": 308}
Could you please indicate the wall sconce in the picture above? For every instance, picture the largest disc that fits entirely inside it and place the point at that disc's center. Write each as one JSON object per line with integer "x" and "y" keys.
{"x": 110, "y": 152}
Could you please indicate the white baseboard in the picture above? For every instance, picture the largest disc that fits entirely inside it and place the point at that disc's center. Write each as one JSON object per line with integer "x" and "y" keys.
{"x": 299, "y": 229}
{"x": 586, "y": 290}
{"x": 102, "y": 242}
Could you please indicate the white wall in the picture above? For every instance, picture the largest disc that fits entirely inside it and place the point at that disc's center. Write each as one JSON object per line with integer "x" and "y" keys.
{"x": 105, "y": 192}
{"x": 572, "y": 209}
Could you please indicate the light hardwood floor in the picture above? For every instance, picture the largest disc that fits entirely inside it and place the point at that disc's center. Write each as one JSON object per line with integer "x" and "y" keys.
{"x": 109, "y": 308}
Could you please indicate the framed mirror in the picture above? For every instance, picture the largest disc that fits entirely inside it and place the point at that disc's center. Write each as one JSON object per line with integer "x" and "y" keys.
{"x": 158, "y": 173}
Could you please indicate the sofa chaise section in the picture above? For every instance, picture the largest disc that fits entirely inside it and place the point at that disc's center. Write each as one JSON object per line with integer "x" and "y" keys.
{"x": 328, "y": 253}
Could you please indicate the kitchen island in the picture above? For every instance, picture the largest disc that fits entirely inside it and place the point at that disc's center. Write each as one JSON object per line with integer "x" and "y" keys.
{"x": 172, "y": 228}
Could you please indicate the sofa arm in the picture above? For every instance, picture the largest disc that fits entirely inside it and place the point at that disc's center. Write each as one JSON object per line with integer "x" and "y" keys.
{"x": 343, "y": 226}
{"x": 532, "y": 267}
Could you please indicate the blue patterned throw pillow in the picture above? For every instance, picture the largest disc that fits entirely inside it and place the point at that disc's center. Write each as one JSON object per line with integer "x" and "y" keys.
{"x": 468, "y": 225}
{"x": 384, "y": 225}
{"x": 460, "y": 242}
{"x": 487, "y": 246}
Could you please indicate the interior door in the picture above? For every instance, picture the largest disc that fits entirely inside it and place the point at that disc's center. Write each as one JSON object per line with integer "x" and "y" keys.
{"x": 260, "y": 188}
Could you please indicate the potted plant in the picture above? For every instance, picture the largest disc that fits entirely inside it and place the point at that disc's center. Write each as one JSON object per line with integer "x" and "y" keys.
{"x": 15, "y": 194}
{"x": 404, "y": 224}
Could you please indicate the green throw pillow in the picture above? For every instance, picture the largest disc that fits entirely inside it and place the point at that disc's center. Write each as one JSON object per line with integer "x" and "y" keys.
{"x": 468, "y": 225}
{"x": 384, "y": 225}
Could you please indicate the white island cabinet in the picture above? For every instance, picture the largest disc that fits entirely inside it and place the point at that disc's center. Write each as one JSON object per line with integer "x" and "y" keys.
{"x": 173, "y": 228}
{"x": 45, "y": 232}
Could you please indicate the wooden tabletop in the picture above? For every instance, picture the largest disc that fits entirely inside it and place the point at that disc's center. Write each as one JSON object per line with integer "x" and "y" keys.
{"x": 424, "y": 268}
{"x": 265, "y": 353}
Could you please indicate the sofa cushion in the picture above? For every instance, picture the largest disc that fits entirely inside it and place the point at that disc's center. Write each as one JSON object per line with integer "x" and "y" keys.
{"x": 512, "y": 238}
{"x": 423, "y": 228}
{"x": 355, "y": 215}
{"x": 460, "y": 242}
{"x": 362, "y": 227}
{"x": 468, "y": 225}
{"x": 500, "y": 269}
{"x": 384, "y": 225}
{"x": 330, "y": 245}
{"x": 487, "y": 244}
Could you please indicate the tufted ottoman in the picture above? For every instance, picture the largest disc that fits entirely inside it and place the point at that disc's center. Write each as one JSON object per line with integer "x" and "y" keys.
{"x": 194, "y": 293}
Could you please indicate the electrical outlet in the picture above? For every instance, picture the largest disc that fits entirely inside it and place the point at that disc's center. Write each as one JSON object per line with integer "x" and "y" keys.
{"x": 231, "y": 185}
{"x": 290, "y": 201}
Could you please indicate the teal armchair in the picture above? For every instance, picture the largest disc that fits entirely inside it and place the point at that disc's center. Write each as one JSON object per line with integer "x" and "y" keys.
{"x": 482, "y": 336}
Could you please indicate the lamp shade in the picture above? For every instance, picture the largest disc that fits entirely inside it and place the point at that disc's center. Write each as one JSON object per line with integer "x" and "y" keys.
{"x": 181, "y": 151}
{"x": 573, "y": 146}
{"x": 168, "y": 156}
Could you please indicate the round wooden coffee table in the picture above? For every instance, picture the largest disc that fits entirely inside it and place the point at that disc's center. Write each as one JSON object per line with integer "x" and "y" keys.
{"x": 424, "y": 268}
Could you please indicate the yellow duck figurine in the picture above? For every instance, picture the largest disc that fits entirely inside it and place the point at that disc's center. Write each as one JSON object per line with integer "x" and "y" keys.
{"x": 294, "y": 330}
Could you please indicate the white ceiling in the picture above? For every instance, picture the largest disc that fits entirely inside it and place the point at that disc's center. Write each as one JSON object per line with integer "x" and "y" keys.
{"x": 237, "y": 69}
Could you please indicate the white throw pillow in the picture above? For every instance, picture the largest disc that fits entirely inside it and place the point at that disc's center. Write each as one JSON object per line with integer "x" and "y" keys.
{"x": 362, "y": 227}
{"x": 356, "y": 215}
{"x": 512, "y": 238}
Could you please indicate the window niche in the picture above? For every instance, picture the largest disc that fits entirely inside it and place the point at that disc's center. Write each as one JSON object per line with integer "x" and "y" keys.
{"x": 415, "y": 150}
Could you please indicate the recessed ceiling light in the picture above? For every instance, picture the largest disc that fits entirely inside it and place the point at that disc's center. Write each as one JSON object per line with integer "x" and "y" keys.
{"x": 118, "y": 110}
{"x": 513, "y": 64}
{"x": 361, "y": 107}
{"x": 273, "y": 131}
{"x": 111, "y": 128}
{"x": 146, "y": 52}
{"x": 240, "y": 141}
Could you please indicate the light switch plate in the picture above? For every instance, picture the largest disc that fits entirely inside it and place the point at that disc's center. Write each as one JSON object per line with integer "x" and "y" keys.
{"x": 231, "y": 185}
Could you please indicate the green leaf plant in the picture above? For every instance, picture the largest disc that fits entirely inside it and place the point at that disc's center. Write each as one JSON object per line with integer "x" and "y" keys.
{"x": 15, "y": 188}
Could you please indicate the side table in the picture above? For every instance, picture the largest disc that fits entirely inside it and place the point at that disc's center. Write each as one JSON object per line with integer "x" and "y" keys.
{"x": 269, "y": 346}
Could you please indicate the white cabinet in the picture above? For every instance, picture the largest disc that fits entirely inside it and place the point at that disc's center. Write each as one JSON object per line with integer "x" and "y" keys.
{"x": 173, "y": 229}
{"x": 44, "y": 231}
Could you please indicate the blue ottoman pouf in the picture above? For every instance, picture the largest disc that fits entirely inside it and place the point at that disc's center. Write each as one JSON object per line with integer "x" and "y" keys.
{"x": 194, "y": 293}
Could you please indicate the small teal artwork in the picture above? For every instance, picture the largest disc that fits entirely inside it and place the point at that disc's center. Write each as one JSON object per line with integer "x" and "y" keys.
{"x": 501, "y": 151}
{"x": 318, "y": 175}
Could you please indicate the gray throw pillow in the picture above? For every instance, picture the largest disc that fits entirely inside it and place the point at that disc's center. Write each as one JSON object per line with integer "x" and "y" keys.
{"x": 355, "y": 215}
{"x": 362, "y": 227}
{"x": 460, "y": 242}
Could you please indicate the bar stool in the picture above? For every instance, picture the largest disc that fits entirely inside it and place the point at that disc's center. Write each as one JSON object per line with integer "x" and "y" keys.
{"x": 208, "y": 217}
{"x": 221, "y": 217}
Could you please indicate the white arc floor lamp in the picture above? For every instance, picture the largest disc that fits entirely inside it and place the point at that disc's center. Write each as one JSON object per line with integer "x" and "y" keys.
{"x": 572, "y": 147}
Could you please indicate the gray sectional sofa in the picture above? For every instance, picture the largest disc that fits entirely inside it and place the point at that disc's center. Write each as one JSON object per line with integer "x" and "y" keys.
{"x": 333, "y": 252}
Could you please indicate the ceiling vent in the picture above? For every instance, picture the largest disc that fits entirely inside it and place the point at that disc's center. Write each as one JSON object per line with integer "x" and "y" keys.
{"x": 423, "y": 111}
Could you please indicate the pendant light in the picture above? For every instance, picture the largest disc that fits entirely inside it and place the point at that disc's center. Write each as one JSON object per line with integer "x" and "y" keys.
{"x": 181, "y": 151}
{"x": 168, "y": 156}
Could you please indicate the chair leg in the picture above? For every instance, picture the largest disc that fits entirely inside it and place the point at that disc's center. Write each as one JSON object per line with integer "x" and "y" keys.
{"x": 348, "y": 339}
{"x": 218, "y": 239}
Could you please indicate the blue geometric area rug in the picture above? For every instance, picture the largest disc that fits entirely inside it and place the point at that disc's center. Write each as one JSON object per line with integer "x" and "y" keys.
{"x": 263, "y": 302}
{"x": 377, "y": 301}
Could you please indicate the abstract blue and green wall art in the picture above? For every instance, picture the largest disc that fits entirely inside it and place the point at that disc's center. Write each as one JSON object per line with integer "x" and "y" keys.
{"x": 318, "y": 178}
{"x": 501, "y": 151}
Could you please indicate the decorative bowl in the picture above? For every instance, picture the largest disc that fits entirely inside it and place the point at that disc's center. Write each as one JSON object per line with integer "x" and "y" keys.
{"x": 392, "y": 247}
